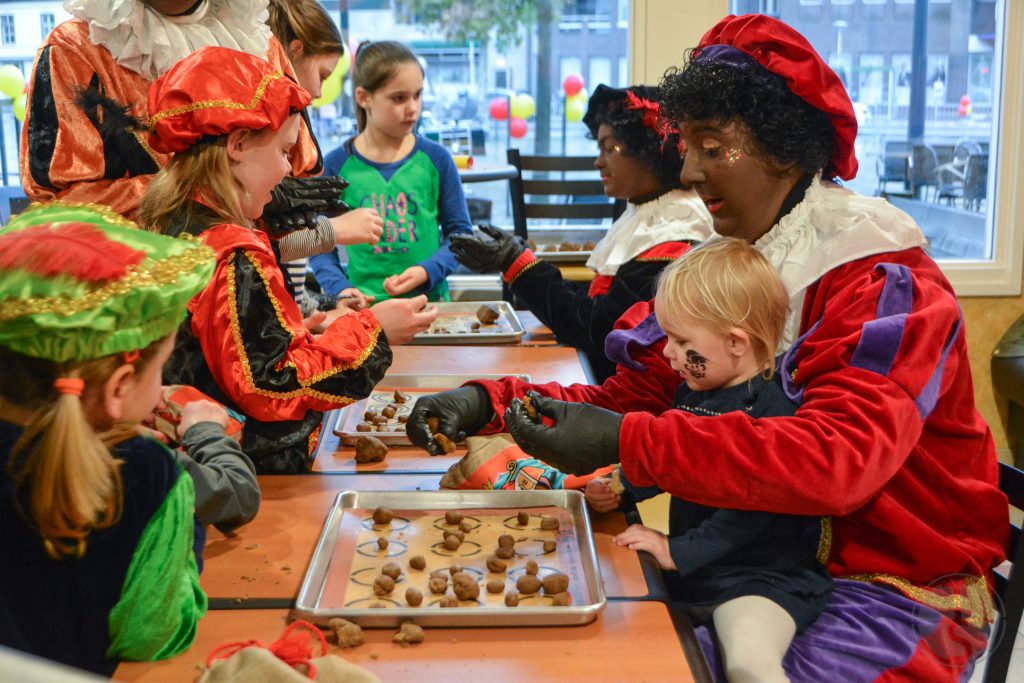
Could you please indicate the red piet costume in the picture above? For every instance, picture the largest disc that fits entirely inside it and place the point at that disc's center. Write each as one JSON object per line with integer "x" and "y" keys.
{"x": 86, "y": 155}
{"x": 243, "y": 342}
{"x": 887, "y": 440}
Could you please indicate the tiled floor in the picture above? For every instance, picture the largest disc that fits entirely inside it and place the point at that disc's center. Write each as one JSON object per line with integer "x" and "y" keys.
{"x": 655, "y": 515}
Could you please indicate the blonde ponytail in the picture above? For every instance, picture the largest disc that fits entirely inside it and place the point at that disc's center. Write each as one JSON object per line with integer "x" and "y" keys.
{"x": 72, "y": 481}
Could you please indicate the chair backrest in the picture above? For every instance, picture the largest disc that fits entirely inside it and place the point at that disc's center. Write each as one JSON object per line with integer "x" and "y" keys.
{"x": 976, "y": 177}
{"x": 923, "y": 162}
{"x": 1009, "y": 588}
{"x": 572, "y": 198}
{"x": 965, "y": 148}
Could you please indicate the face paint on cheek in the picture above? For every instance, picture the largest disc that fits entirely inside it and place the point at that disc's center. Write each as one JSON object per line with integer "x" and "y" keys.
{"x": 695, "y": 365}
{"x": 732, "y": 155}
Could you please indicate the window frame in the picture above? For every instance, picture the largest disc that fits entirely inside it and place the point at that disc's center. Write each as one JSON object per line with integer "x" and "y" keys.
{"x": 4, "y": 19}
{"x": 1001, "y": 276}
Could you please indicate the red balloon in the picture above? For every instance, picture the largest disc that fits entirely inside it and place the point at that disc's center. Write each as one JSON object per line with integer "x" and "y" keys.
{"x": 517, "y": 128}
{"x": 962, "y": 110}
{"x": 572, "y": 84}
{"x": 965, "y": 100}
{"x": 498, "y": 108}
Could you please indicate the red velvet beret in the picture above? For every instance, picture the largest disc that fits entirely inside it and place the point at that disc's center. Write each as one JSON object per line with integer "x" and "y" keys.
{"x": 782, "y": 50}
{"x": 215, "y": 90}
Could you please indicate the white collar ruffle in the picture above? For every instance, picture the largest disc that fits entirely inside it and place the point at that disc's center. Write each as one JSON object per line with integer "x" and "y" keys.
{"x": 829, "y": 227}
{"x": 149, "y": 43}
{"x": 674, "y": 216}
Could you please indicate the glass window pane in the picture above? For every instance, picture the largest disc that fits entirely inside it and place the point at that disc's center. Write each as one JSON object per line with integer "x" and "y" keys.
{"x": 935, "y": 160}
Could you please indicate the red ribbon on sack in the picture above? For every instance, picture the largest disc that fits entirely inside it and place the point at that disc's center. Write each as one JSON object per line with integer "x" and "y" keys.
{"x": 293, "y": 647}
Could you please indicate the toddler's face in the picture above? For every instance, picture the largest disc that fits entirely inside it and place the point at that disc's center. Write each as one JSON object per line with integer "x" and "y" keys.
{"x": 700, "y": 355}
{"x": 146, "y": 387}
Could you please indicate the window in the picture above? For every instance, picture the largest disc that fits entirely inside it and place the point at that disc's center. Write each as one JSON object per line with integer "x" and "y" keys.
{"x": 623, "y": 73}
{"x": 600, "y": 71}
{"x": 7, "y": 29}
{"x": 46, "y": 23}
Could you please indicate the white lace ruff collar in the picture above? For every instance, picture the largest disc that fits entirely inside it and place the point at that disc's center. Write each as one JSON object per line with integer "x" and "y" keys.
{"x": 149, "y": 43}
{"x": 829, "y": 227}
{"x": 674, "y": 216}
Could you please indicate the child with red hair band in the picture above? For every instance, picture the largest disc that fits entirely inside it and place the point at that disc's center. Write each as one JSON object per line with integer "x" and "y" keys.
{"x": 230, "y": 119}
{"x": 99, "y": 539}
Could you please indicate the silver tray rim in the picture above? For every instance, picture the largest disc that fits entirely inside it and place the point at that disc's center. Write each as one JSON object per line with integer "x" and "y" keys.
{"x": 563, "y": 256}
{"x": 313, "y": 583}
{"x": 406, "y": 381}
{"x": 504, "y": 308}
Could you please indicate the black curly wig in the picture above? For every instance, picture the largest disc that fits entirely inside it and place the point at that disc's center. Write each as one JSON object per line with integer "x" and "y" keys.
{"x": 641, "y": 142}
{"x": 783, "y": 125}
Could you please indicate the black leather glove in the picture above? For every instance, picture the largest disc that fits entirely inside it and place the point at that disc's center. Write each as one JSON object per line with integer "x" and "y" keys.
{"x": 583, "y": 438}
{"x": 487, "y": 255}
{"x": 461, "y": 412}
{"x": 296, "y": 202}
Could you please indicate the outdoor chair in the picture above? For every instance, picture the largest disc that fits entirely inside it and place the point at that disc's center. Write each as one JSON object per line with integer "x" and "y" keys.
{"x": 975, "y": 182}
{"x": 892, "y": 167}
{"x": 924, "y": 163}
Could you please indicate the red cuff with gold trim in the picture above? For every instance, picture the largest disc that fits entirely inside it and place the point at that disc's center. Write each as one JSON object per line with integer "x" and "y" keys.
{"x": 522, "y": 262}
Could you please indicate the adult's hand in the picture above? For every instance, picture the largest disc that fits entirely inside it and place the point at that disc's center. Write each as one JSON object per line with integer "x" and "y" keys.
{"x": 583, "y": 438}
{"x": 358, "y": 226}
{"x": 487, "y": 255}
{"x": 403, "y": 319}
{"x": 460, "y": 413}
{"x": 296, "y": 202}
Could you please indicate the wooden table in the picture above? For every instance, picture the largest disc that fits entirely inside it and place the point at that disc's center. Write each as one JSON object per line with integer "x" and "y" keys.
{"x": 629, "y": 641}
{"x": 543, "y": 364}
{"x": 537, "y": 333}
{"x": 262, "y": 564}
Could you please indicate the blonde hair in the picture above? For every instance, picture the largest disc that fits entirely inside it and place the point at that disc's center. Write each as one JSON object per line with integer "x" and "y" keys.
{"x": 725, "y": 284}
{"x": 201, "y": 172}
{"x": 67, "y": 482}
{"x": 375, "y": 65}
{"x": 308, "y": 22}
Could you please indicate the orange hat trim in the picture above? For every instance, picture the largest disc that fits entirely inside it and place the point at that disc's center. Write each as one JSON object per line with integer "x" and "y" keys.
{"x": 257, "y": 96}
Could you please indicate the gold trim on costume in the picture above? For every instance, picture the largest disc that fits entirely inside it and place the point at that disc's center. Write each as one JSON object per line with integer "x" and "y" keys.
{"x": 522, "y": 270}
{"x": 102, "y": 209}
{"x": 214, "y": 104}
{"x": 825, "y": 541}
{"x": 975, "y": 599}
{"x": 304, "y": 384}
{"x": 163, "y": 272}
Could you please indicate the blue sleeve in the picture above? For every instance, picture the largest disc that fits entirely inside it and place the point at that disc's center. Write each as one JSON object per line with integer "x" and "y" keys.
{"x": 452, "y": 213}
{"x": 327, "y": 266}
{"x": 726, "y": 531}
{"x": 329, "y": 273}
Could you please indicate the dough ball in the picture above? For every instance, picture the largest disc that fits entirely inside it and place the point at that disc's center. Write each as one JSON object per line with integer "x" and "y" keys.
{"x": 455, "y": 569}
{"x": 370, "y": 449}
{"x": 487, "y": 314}
{"x": 465, "y": 586}
{"x": 496, "y": 565}
{"x": 549, "y": 546}
{"x": 446, "y": 444}
{"x": 369, "y": 415}
{"x": 512, "y": 599}
{"x": 495, "y": 586}
{"x": 452, "y": 542}
{"x": 561, "y": 600}
{"x": 437, "y": 585}
{"x": 523, "y": 518}
{"x": 505, "y": 552}
{"x": 532, "y": 568}
{"x": 383, "y": 515}
{"x": 555, "y": 583}
{"x": 457, "y": 533}
{"x": 528, "y": 584}
{"x": 466, "y": 526}
{"x": 383, "y": 585}
{"x": 382, "y": 543}
{"x": 506, "y": 541}
{"x": 364, "y": 427}
{"x": 448, "y": 601}
{"x": 549, "y": 523}
{"x": 346, "y": 633}
{"x": 391, "y": 569}
{"x": 453, "y": 517}
{"x": 388, "y": 412}
{"x": 417, "y": 562}
{"x": 413, "y": 597}
{"x": 401, "y": 398}
{"x": 408, "y": 634}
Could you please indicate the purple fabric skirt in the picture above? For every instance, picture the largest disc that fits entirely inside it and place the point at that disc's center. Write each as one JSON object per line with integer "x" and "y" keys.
{"x": 864, "y": 631}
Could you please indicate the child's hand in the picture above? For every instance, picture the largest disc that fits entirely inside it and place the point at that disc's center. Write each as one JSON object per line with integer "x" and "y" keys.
{"x": 600, "y": 496}
{"x": 201, "y": 411}
{"x": 403, "y": 319}
{"x": 639, "y": 537}
{"x": 316, "y": 323}
{"x": 358, "y": 226}
{"x": 353, "y": 299}
{"x": 406, "y": 281}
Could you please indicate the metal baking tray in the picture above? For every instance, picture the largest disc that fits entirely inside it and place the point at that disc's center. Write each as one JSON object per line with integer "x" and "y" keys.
{"x": 347, "y": 558}
{"x": 563, "y": 256}
{"x": 345, "y": 419}
{"x": 458, "y": 316}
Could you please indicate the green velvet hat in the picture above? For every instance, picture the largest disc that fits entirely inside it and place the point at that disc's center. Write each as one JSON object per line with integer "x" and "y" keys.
{"x": 79, "y": 282}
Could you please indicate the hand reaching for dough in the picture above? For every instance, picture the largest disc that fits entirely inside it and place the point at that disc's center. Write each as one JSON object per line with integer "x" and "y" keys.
{"x": 354, "y": 299}
{"x": 403, "y": 319}
{"x": 600, "y": 496}
{"x": 639, "y": 537}
{"x": 358, "y": 226}
{"x": 406, "y": 281}
{"x": 201, "y": 411}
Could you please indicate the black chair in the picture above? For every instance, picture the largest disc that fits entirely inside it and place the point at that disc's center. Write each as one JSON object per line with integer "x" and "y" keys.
{"x": 1009, "y": 588}
{"x": 892, "y": 167}
{"x": 924, "y": 163}
{"x": 975, "y": 186}
{"x": 553, "y": 196}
